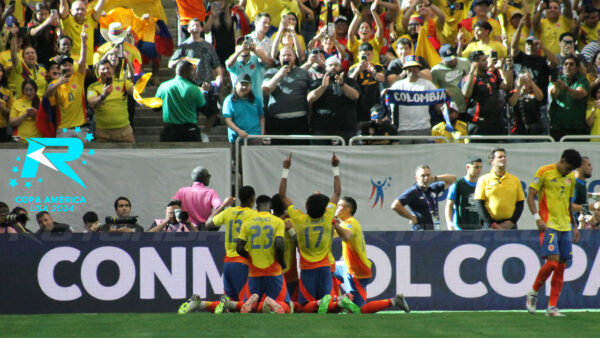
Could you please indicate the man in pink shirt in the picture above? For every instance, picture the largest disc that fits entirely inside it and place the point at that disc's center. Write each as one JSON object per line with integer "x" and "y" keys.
{"x": 199, "y": 200}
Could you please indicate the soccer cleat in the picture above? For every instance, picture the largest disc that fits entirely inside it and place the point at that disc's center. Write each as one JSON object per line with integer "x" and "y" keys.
{"x": 272, "y": 306}
{"x": 223, "y": 304}
{"x": 191, "y": 305}
{"x": 531, "y": 302}
{"x": 324, "y": 304}
{"x": 346, "y": 304}
{"x": 552, "y": 311}
{"x": 399, "y": 302}
{"x": 249, "y": 304}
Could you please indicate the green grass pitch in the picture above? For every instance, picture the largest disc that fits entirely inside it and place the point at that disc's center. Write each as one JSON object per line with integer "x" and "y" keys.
{"x": 389, "y": 324}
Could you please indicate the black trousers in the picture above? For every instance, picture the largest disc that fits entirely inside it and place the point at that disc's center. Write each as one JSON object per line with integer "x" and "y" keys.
{"x": 188, "y": 132}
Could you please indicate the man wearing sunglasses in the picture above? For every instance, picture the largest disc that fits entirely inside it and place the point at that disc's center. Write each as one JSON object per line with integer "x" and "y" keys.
{"x": 567, "y": 48}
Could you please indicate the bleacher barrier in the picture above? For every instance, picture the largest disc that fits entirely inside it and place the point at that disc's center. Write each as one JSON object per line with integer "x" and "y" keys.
{"x": 509, "y": 138}
{"x": 356, "y": 139}
{"x": 468, "y": 270}
{"x": 578, "y": 137}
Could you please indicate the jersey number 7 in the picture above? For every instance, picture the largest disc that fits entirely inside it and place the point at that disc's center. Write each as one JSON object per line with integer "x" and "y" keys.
{"x": 318, "y": 228}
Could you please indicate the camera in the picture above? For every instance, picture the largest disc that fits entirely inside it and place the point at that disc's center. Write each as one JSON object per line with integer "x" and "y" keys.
{"x": 16, "y": 218}
{"x": 181, "y": 215}
{"x": 129, "y": 220}
{"x": 363, "y": 57}
{"x": 286, "y": 63}
{"x": 314, "y": 52}
{"x": 109, "y": 81}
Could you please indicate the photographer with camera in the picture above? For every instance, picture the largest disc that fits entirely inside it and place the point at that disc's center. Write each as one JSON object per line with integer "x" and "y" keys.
{"x": 123, "y": 222}
{"x": 108, "y": 98}
{"x": 334, "y": 102}
{"x": 176, "y": 220}
{"x": 11, "y": 223}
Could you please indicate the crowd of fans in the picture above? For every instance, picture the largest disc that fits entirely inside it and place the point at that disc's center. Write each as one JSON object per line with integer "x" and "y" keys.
{"x": 317, "y": 67}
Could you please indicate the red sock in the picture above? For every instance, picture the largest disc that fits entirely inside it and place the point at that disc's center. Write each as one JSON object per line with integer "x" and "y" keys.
{"x": 556, "y": 283}
{"x": 310, "y": 307}
{"x": 210, "y": 306}
{"x": 259, "y": 308}
{"x": 376, "y": 306}
{"x": 238, "y": 306}
{"x": 285, "y": 306}
{"x": 297, "y": 307}
{"x": 333, "y": 307}
{"x": 544, "y": 273}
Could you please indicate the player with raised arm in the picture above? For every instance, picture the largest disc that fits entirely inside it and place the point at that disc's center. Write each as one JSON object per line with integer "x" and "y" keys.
{"x": 315, "y": 233}
{"x": 554, "y": 186}
{"x": 235, "y": 268}
{"x": 358, "y": 265}
{"x": 261, "y": 242}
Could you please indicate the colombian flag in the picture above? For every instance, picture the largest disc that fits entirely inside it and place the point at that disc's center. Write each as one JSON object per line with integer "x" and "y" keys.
{"x": 426, "y": 50}
{"x": 273, "y": 7}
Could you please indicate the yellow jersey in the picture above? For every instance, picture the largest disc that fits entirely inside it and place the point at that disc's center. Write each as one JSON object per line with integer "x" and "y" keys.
{"x": 289, "y": 255}
{"x": 70, "y": 100}
{"x": 551, "y": 31}
{"x": 260, "y": 232}
{"x": 487, "y": 48}
{"x": 6, "y": 98}
{"x": 595, "y": 130}
{"x": 500, "y": 194}
{"x": 233, "y": 217}
{"x": 72, "y": 29}
{"x": 112, "y": 113}
{"x": 459, "y": 130}
{"x": 314, "y": 236}
{"x": 555, "y": 193}
{"x": 27, "y": 128}
{"x": 353, "y": 49}
{"x": 354, "y": 250}
{"x": 36, "y": 73}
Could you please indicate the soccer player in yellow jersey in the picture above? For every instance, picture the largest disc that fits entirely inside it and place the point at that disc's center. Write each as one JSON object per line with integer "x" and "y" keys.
{"x": 554, "y": 186}
{"x": 290, "y": 271}
{"x": 354, "y": 251}
{"x": 315, "y": 233}
{"x": 261, "y": 241}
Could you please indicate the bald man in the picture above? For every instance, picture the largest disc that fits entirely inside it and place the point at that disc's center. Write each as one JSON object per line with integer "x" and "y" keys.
{"x": 199, "y": 200}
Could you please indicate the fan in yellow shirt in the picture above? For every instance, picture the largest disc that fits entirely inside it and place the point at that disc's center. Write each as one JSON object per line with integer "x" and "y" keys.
{"x": 24, "y": 112}
{"x": 554, "y": 24}
{"x": 73, "y": 22}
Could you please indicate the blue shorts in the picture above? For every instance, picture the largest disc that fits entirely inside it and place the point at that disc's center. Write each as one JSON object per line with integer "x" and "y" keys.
{"x": 235, "y": 276}
{"x": 314, "y": 284}
{"x": 270, "y": 286}
{"x": 352, "y": 285}
{"x": 556, "y": 242}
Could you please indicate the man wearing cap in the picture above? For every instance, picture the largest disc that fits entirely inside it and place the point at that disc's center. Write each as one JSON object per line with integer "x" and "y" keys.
{"x": 196, "y": 47}
{"x": 341, "y": 30}
{"x": 109, "y": 101}
{"x": 78, "y": 19}
{"x": 69, "y": 94}
{"x": 448, "y": 74}
{"x": 530, "y": 60}
{"x": 117, "y": 37}
{"x": 461, "y": 211}
{"x": 287, "y": 88}
{"x": 395, "y": 70}
{"x": 457, "y": 128}
{"x": 334, "y": 102}
{"x": 369, "y": 77}
{"x": 243, "y": 112}
{"x": 554, "y": 24}
{"x": 414, "y": 120}
{"x": 182, "y": 100}
{"x": 380, "y": 125}
{"x": 481, "y": 90}
{"x": 250, "y": 60}
{"x": 481, "y": 32}
{"x": 421, "y": 198}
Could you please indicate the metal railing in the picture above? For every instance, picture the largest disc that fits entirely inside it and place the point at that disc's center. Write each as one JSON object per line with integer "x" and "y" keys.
{"x": 507, "y": 137}
{"x": 405, "y": 137}
{"x": 237, "y": 154}
{"x": 578, "y": 137}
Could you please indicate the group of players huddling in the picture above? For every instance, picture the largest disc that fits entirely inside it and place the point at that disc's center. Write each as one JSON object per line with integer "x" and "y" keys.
{"x": 259, "y": 273}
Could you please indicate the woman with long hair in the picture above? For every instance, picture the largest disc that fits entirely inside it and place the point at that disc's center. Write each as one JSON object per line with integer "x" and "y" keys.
{"x": 288, "y": 35}
{"x": 526, "y": 100}
{"x": 24, "y": 112}
{"x": 26, "y": 65}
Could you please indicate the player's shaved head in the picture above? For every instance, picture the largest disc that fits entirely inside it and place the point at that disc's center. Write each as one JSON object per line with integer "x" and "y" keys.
{"x": 263, "y": 203}
{"x": 247, "y": 196}
{"x": 277, "y": 205}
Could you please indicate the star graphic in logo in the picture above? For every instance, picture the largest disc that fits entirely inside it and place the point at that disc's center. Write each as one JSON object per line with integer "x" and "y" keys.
{"x": 89, "y": 137}
{"x": 15, "y": 169}
{"x": 41, "y": 180}
{"x": 28, "y": 185}
{"x": 83, "y": 162}
{"x": 77, "y": 129}
{"x": 18, "y": 158}
{"x": 64, "y": 130}
{"x": 91, "y": 152}
{"x": 13, "y": 182}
